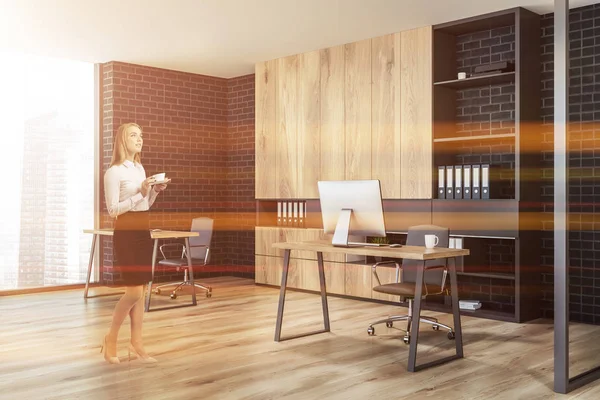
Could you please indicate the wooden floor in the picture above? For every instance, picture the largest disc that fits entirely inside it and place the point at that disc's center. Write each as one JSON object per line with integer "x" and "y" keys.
{"x": 224, "y": 349}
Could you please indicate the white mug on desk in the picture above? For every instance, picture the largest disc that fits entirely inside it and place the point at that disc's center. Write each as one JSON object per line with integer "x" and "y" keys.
{"x": 431, "y": 241}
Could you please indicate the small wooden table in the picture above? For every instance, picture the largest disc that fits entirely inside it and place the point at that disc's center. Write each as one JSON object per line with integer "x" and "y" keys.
{"x": 409, "y": 252}
{"x": 156, "y": 235}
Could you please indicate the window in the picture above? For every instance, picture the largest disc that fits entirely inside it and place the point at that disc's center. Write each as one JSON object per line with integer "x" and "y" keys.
{"x": 47, "y": 111}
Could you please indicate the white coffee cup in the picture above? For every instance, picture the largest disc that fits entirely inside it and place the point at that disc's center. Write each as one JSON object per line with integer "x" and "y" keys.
{"x": 159, "y": 177}
{"x": 431, "y": 241}
{"x": 462, "y": 75}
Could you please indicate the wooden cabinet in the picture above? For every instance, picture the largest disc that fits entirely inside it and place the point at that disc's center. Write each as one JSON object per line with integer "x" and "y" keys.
{"x": 309, "y": 121}
{"x": 358, "y": 110}
{"x": 303, "y": 273}
{"x": 286, "y": 160}
{"x": 265, "y": 129}
{"x": 385, "y": 114}
{"x": 332, "y": 102}
{"x": 416, "y": 96}
{"x": 362, "y": 110}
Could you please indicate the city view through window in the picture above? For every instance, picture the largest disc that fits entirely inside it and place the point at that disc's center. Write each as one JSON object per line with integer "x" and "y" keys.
{"x": 46, "y": 170}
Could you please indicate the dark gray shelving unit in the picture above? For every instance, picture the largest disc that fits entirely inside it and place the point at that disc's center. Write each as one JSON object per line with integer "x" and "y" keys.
{"x": 493, "y": 119}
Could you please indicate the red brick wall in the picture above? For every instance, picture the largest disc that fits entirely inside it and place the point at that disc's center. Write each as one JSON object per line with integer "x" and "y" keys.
{"x": 185, "y": 121}
{"x": 240, "y": 177}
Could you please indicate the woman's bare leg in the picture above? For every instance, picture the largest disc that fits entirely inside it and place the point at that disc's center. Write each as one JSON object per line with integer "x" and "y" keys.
{"x": 136, "y": 314}
{"x": 133, "y": 295}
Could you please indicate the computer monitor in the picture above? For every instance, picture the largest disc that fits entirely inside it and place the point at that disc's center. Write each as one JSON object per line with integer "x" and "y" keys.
{"x": 351, "y": 208}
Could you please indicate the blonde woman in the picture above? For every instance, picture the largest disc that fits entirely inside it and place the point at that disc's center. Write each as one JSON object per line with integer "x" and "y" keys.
{"x": 129, "y": 195}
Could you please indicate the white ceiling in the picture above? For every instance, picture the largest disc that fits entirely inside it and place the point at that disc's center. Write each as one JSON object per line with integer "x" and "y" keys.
{"x": 221, "y": 38}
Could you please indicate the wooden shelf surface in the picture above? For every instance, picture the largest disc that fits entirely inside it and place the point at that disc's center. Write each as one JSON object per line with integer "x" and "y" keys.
{"x": 477, "y": 81}
{"x": 478, "y": 137}
{"x": 493, "y": 275}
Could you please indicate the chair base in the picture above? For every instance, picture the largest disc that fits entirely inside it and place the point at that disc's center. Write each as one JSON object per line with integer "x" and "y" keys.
{"x": 179, "y": 286}
{"x": 389, "y": 322}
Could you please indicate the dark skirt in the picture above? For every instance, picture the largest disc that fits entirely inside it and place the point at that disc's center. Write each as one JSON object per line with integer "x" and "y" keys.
{"x": 133, "y": 247}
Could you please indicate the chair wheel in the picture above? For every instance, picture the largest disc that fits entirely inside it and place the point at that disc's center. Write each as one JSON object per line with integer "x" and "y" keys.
{"x": 173, "y": 296}
{"x": 157, "y": 291}
{"x": 406, "y": 339}
{"x": 389, "y": 324}
{"x": 436, "y": 327}
{"x": 208, "y": 294}
{"x": 371, "y": 331}
{"x": 451, "y": 335}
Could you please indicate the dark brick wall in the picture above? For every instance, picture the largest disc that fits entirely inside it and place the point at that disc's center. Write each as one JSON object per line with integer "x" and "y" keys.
{"x": 490, "y": 256}
{"x": 584, "y": 161}
{"x": 491, "y": 109}
{"x": 486, "y": 110}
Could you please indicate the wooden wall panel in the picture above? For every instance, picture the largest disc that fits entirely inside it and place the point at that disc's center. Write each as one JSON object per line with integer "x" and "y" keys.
{"x": 268, "y": 270}
{"x": 416, "y": 111}
{"x": 358, "y": 280}
{"x": 332, "y": 154}
{"x": 358, "y": 110}
{"x": 265, "y": 129}
{"x": 309, "y": 121}
{"x": 385, "y": 104}
{"x": 286, "y": 165}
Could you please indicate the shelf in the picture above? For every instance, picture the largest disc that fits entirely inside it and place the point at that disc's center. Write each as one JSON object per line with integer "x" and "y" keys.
{"x": 481, "y": 313}
{"x": 497, "y": 275}
{"x": 479, "y": 23}
{"x": 479, "y": 137}
{"x": 476, "y": 81}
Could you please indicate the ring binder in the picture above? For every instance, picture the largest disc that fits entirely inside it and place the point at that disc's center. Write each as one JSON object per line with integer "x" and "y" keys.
{"x": 441, "y": 182}
{"x": 458, "y": 192}
{"x": 475, "y": 190}
{"x": 485, "y": 181}
{"x": 467, "y": 182}
{"x": 449, "y": 180}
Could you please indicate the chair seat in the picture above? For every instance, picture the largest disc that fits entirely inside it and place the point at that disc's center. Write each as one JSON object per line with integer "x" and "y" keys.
{"x": 179, "y": 262}
{"x": 405, "y": 289}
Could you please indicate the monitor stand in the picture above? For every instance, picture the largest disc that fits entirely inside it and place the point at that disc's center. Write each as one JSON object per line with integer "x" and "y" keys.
{"x": 340, "y": 236}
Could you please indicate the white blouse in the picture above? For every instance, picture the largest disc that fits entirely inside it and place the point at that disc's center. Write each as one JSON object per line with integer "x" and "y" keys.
{"x": 122, "y": 189}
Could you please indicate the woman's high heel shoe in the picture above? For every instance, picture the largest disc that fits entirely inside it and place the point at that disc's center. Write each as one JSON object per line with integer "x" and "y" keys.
{"x": 104, "y": 349}
{"x": 146, "y": 360}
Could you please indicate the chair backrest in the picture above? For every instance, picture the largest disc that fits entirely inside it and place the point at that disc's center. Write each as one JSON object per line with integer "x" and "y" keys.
{"x": 204, "y": 226}
{"x": 416, "y": 237}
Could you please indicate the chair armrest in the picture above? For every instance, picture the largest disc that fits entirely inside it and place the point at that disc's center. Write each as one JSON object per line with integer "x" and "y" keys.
{"x": 445, "y": 268}
{"x": 203, "y": 246}
{"x": 172, "y": 245}
{"x": 374, "y": 268}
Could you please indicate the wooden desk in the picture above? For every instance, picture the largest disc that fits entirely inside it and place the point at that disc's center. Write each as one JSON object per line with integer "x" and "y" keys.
{"x": 156, "y": 235}
{"x": 409, "y": 252}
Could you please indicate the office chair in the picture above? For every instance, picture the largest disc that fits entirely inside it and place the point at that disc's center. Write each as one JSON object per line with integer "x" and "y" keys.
{"x": 200, "y": 253}
{"x": 434, "y": 280}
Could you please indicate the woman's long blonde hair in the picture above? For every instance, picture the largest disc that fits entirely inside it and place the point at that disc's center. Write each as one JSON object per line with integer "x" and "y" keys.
{"x": 120, "y": 148}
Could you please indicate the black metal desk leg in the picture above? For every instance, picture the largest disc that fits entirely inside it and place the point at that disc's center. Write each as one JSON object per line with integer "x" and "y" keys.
{"x": 416, "y": 316}
{"x": 90, "y": 265}
{"x": 154, "y": 251}
{"x": 190, "y": 269}
{"x": 284, "y": 276}
{"x": 323, "y": 291}
{"x": 456, "y": 309}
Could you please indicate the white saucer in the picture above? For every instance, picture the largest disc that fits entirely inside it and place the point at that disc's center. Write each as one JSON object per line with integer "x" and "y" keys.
{"x": 161, "y": 182}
